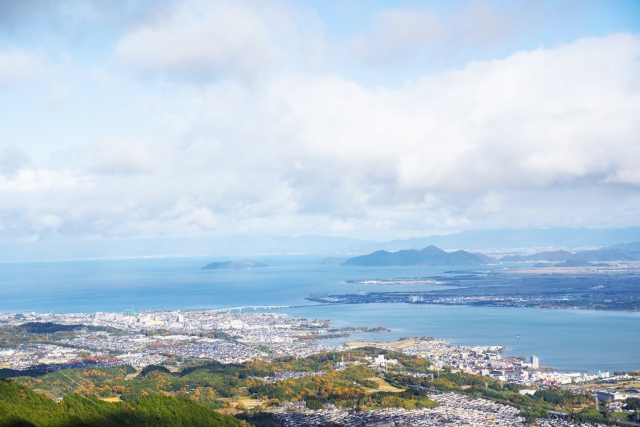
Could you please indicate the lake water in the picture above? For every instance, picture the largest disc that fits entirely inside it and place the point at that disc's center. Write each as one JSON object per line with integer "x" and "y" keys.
{"x": 566, "y": 339}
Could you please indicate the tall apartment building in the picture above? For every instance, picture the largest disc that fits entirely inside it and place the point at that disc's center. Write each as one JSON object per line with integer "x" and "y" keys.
{"x": 535, "y": 362}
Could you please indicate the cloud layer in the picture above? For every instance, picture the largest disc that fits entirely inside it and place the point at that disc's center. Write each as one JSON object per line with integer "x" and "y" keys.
{"x": 17, "y": 66}
{"x": 234, "y": 131}
{"x": 201, "y": 37}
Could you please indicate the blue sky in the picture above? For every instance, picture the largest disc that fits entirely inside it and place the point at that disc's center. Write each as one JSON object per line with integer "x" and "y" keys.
{"x": 377, "y": 119}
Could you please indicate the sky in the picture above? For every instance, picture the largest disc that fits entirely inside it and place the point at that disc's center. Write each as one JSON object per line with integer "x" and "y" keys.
{"x": 368, "y": 119}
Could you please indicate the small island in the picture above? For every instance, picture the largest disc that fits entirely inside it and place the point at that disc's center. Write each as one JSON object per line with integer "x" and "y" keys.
{"x": 244, "y": 264}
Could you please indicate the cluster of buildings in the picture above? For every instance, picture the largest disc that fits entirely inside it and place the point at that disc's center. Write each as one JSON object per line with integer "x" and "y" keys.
{"x": 453, "y": 409}
{"x": 559, "y": 422}
{"x": 52, "y": 357}
{"x": 282, "y": 376}
{"x": 27, "y": 355}
{"x": 488, "y": 361}
{"x": 560, "y": 378}
{"x": 184, "y": 334}
{"x": 140, "y": 359}
{"x": 56, "y": 357}
{"x": 300, "y": 349}
{"x": 111, "y": 343}
{"x": 250, "y": 326}
{"x": 212, "y": 349}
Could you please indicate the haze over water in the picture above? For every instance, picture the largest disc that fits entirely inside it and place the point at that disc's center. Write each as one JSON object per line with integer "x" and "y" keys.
{"x": 565, "y": 339}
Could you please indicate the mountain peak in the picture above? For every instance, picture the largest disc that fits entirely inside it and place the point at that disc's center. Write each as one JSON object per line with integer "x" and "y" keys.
{"x": 430, "y": 255}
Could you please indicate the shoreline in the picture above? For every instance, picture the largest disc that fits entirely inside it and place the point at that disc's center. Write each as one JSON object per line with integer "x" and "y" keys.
{"x": 502, "y": 325}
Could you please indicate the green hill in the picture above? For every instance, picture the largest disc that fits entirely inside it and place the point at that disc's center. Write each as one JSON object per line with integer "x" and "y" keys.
{"x": 20, "y": 407}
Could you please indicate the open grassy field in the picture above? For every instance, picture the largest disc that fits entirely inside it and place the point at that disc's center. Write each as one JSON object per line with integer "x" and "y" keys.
{"x": 242, "y": 402}
{"x": 383, "y": 386}
{"x": 249, "y": 403}
{"x": 111, "y": 399}
{"x": 135, "y": 374}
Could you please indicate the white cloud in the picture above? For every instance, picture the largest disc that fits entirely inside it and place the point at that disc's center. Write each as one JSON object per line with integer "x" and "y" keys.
{"x": 530, "y": 120}
{"x": 493, "y": 203}
{"x": 397, "y": 31}
{"x": 497, "y": 142}
{"x": 187, "y": 214}
{"x": 541, "y": 119}
{"x": 17, "y": 65}
{"x": 341, "y": 227}
{"x": 38, "y": 181}
{"x": 204, "y": 38}
{"x": 424, "y": 35}
{"x": 629, "y": 175}
{"x": 52, "y": 222}
{"x": 116, "y": 157}
{"x": 12, "y": 159}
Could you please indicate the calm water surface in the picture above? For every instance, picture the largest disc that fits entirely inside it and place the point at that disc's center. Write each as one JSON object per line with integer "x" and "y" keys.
{"x": 566, "y": 339}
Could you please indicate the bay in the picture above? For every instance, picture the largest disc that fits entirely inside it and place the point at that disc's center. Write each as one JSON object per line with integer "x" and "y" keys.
{"x": 565, "y": 339}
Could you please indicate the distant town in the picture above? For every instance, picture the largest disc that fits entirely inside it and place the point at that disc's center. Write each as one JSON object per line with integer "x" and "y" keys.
{"x": 36, "y": 344}
{"x": 149, "y": 338}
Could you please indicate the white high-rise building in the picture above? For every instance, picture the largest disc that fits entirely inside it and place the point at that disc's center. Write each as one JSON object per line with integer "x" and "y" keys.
{"x": 535, "y": 362}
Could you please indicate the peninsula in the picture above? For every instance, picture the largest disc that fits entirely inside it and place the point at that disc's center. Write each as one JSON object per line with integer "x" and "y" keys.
{"x": 590, "y": 287}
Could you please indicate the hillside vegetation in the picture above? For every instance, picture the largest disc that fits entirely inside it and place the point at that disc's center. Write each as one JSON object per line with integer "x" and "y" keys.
{"x": 19, "y": 406}
{"x": 191, "y": 397}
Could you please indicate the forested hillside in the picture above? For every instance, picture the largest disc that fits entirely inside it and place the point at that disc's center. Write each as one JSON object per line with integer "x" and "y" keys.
{"x": 19, "y": 406}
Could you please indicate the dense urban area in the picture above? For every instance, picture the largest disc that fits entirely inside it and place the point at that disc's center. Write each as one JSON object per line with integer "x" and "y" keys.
{"x": 268, "y": 368}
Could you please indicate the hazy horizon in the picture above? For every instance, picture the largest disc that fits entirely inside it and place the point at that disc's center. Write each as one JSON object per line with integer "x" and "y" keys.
{"x": 506, "y": 241}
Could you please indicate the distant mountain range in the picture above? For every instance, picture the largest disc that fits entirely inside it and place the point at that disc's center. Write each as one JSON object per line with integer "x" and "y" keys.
{"x": 61, "y": 248}
{"x": 632, "y": 248}
{"x": 430, "y": 255}
{"x": 584, "y": 256}
{"x": 555, "y": 237}
{"x": 245, "y": 264}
